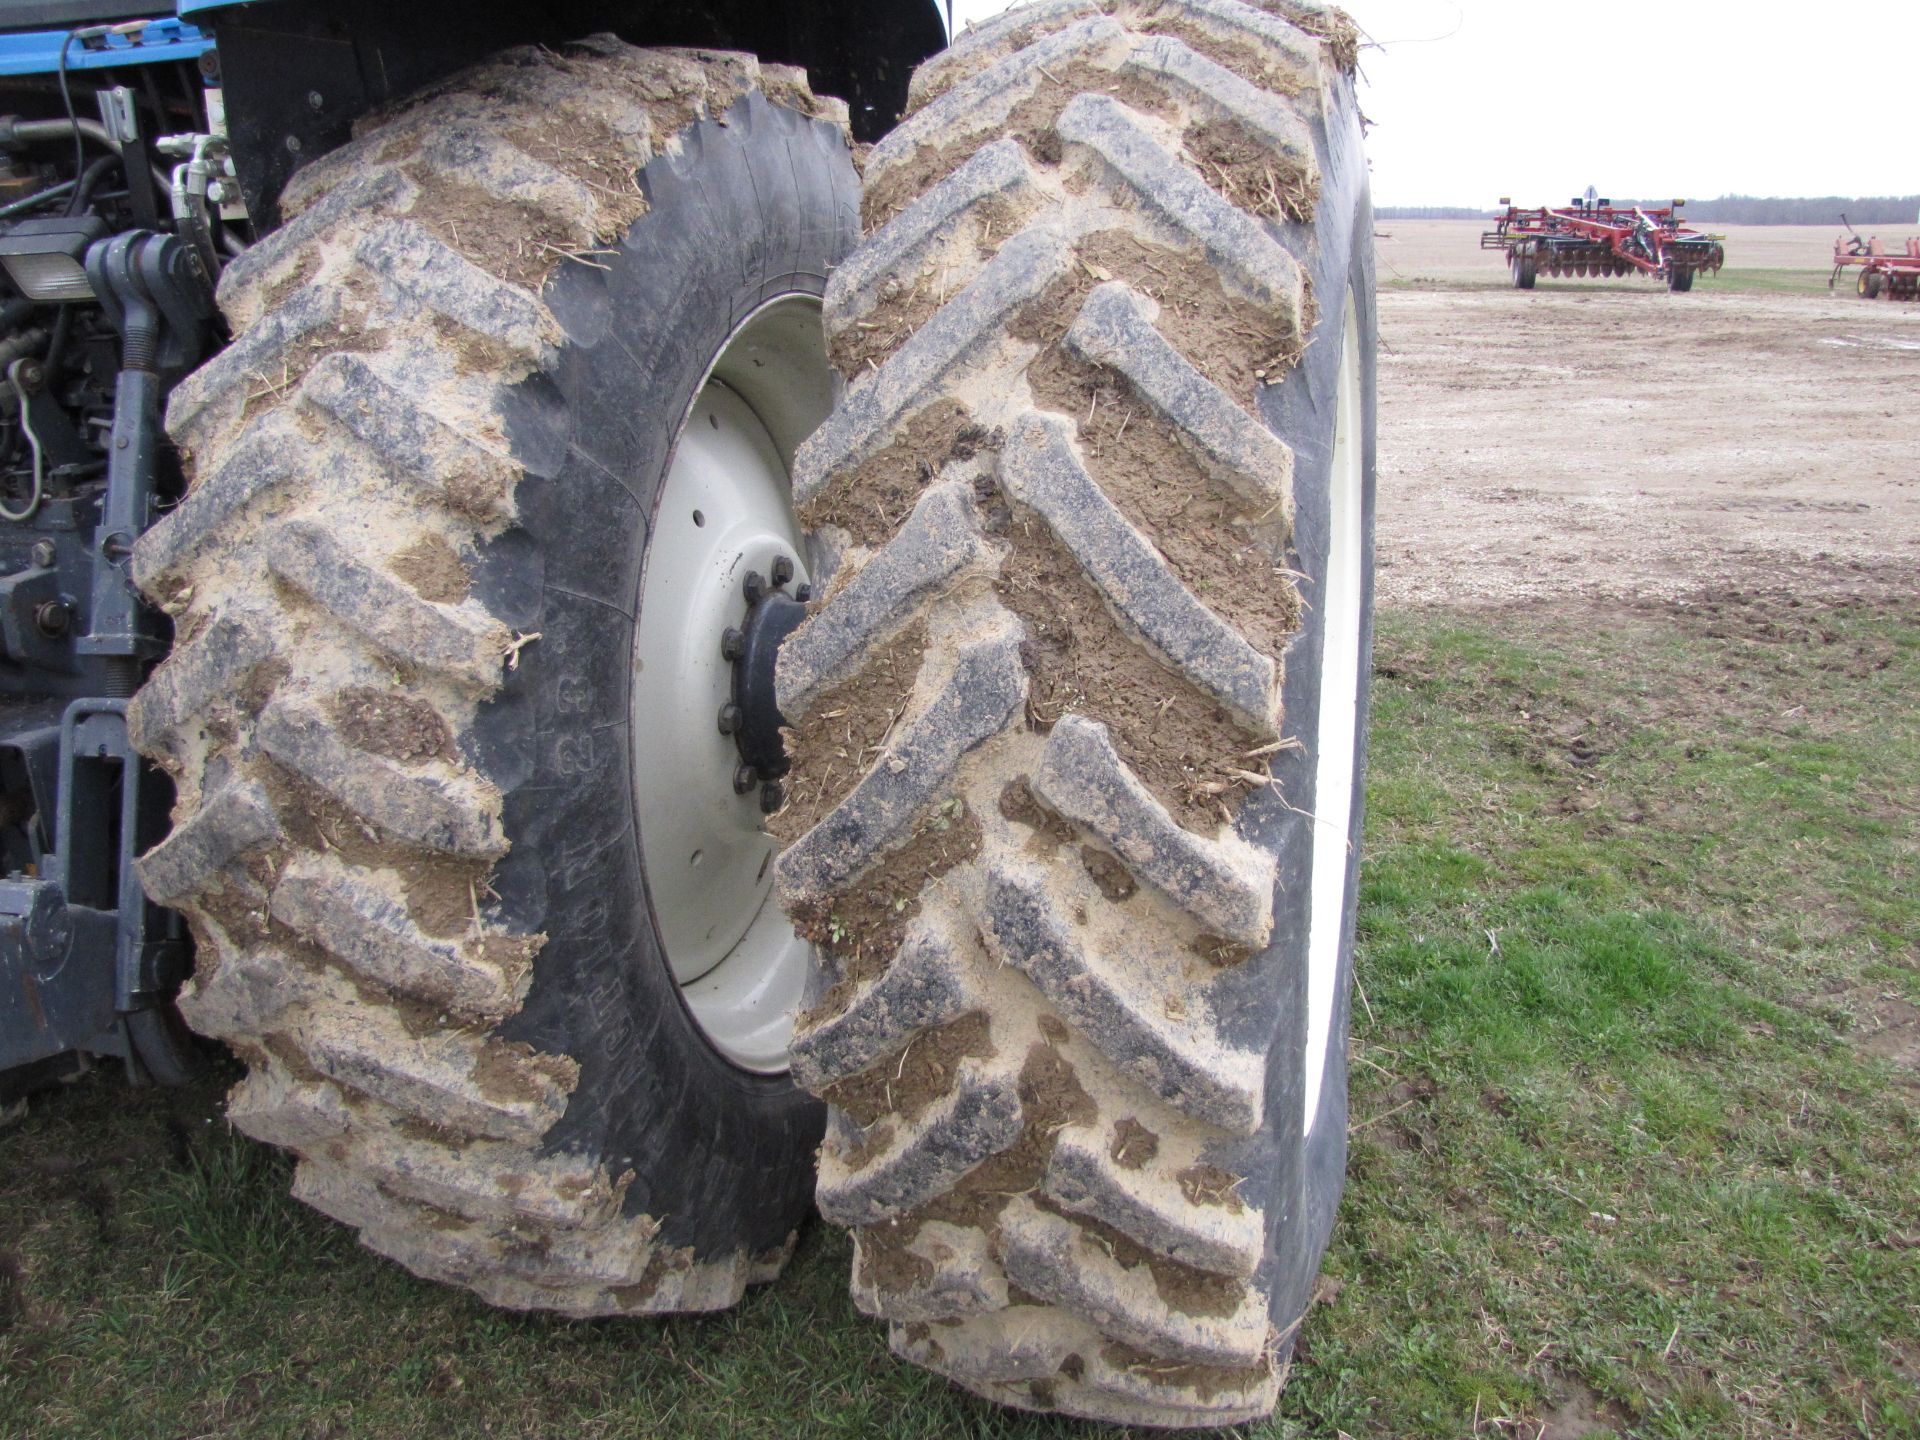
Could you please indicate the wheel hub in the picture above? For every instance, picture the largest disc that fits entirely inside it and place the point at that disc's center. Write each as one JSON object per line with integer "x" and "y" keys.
{"x": 725, "y": 572}
{"x": 752, "y": 713}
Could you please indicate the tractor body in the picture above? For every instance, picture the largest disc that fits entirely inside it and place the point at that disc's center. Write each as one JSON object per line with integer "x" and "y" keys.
{"x": 139, "y": 151}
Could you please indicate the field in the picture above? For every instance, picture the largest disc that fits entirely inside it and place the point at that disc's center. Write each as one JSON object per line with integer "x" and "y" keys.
{"x": 1636, "y": 1121}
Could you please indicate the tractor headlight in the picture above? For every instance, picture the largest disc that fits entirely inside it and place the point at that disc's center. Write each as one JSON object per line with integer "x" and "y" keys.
{"x": 46, "y": 259}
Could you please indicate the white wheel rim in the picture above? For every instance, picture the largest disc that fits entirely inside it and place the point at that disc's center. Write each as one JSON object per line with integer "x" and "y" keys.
{"x": 725, "y": 509}
{"x": 1334, "y": 744}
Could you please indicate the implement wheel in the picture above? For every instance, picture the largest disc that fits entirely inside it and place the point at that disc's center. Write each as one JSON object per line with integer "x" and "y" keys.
{"x": 1101, "y": 505}
{"x": 1871, "y": 284}
{"x": 1525, "y": 271}
{"x": 1680, "y": 280}
{"x": 478, "y": 897}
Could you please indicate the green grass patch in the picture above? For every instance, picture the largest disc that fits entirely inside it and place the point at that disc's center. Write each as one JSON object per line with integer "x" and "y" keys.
{"x": 1638, "y": 912}
{"x": 1743, "y": 281}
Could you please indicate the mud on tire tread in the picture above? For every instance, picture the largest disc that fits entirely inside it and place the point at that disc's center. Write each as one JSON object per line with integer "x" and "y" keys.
{"x": 1070, "y": 222}
{"x": 335, "y": 826}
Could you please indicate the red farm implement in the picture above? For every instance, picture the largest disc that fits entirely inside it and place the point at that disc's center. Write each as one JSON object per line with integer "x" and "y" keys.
{"x": 1598, "y": 238}
{"x": 1897, "y": 277}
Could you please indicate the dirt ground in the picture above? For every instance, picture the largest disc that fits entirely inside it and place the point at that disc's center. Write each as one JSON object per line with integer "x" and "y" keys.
{"x": 1608, "y": 439}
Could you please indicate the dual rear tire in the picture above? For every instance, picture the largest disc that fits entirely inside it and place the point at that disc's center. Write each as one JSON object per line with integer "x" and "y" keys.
{"x": 1078, "y": 722}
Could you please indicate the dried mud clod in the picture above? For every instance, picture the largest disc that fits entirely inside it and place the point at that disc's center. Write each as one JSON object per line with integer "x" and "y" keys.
{"x": 1133, "y": 1144}
{"x": 861, "y": 927}
{"x": 871, "y": 503}
{"x": 844, "y": 730}
{"x": 1183, "y": 746}
{"x": 1249, "y": 173}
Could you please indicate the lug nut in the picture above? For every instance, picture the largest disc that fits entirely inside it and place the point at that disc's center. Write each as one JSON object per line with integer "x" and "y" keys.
{"x": 733, "y": 644}
{"x": 771, "y": 795}
{"x": 53, "y": 618}
{"x": 744, "y": 779}
{"x": 729, "y": 718}
{"x": 755, "y": 587}
{"x": 43, "y": 555}
{"x": 782, "y": 570}
{"x": 803, "y": 592}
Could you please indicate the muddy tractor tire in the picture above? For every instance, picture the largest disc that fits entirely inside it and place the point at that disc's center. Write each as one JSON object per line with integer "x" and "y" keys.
{"x": 1078, "y": 724}
{"x": 443, "y": 913}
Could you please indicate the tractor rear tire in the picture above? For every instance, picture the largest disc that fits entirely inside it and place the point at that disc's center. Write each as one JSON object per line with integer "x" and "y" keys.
{"x": 1102, "y": 484}
{"x": 407, "y": 580}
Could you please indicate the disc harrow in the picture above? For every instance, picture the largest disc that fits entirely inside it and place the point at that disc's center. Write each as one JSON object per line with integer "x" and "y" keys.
{"x": 1878, "y": 274}
{"x": 1595, "y": 239}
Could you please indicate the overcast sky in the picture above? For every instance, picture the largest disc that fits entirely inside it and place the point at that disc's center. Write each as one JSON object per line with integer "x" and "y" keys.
{"x": 1475, "y": 99}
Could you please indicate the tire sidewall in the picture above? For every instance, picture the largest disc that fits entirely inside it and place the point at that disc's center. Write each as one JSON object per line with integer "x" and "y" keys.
{"x": 1308, "y": 1165}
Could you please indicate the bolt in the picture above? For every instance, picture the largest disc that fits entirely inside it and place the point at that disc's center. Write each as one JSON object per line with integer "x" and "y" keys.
{"x": 43, "y": 554}
{"x": 31, "y": 375}
{"x": 217, "y": 191}
{"x": 733, "y": 644}
{"x": 293, "y": 144}
{"x": 803, "y": 592}
{"x": 53, "y": 617}
{"x": 755, "y": 587}
{"x": 744, "y": 779}
{"x": 730, "y": 718}
{"x": 315, "y": 100}
{"x": 771, "y": 797}
{"x": 782, "y": 570}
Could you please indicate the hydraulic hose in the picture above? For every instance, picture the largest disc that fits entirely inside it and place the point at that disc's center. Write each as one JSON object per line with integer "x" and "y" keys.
{"x": 28, "y": 131}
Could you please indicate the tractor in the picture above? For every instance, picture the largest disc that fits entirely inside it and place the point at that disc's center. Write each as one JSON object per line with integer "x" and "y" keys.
{"x": 663, "y": 615}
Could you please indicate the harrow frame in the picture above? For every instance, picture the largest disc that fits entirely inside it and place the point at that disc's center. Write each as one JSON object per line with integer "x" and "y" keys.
{"x": 1598, "y": 238}
{"x": 1894, "y": 277}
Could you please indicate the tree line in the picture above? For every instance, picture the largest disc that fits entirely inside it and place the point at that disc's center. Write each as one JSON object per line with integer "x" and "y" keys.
{"x": 1726, "y": 210}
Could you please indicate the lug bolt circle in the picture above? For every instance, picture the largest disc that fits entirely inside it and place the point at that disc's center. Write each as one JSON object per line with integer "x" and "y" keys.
{"x": 782, "y": 569}
{"x": 730, "y": 718}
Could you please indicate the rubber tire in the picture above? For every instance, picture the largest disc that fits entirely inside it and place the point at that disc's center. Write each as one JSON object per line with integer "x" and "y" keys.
{"x": 1871, "y": 285}
{"x": 1050, "y": 1113}
{"x": 1680, "y": 281}
{"x": 1524, "y": 273}
{"x": 405, "y": 578}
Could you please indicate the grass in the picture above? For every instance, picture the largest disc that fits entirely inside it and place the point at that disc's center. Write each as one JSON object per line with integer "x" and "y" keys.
{"x": 1639, "y": 885}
